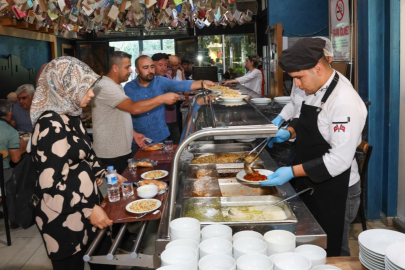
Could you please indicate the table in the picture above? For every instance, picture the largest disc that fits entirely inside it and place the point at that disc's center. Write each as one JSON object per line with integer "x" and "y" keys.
{"x": 346, "y": 263}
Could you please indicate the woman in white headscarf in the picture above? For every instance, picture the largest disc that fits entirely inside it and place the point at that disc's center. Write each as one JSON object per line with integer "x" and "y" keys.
{"x": 69, "y": 213}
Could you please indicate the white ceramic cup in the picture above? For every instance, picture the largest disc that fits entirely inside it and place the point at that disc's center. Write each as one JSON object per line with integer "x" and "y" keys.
{"x": 247, "y": 234}
{"x": 254, "y": 261}
{"x": 215, "y": 246}
{"x": 183, "y": 256}
{"x": 291, "y": 260}
{"x": 279, "y": 241}
{"x": 183, "y": 243}
{"x": 326, "y": 267}
{"x": 316, "y": 254}
{"x": 216, "y": 231}
{"x": 218, "y": 262}
{"x": 184, "y": 228}
{"x": 248, "y": 245}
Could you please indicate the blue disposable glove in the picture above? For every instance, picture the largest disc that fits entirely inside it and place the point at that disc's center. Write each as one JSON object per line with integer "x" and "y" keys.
{"x": 279, "y": 177}
{"x": 278, "y": 120}
{"x": 281, "y": 136}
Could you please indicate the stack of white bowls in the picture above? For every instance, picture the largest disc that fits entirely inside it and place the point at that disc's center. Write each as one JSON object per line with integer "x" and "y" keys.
{"x": 180, "y": 257}
{"x": 315, "y": 254}
{"x": 279, "y": 241}
{"x": 254, "y": 261}
{"x": 373, "y": 245}
{"x": 216, "y": 231}
{"x": 185, "y": 228}
{"x": 395, "y": 256}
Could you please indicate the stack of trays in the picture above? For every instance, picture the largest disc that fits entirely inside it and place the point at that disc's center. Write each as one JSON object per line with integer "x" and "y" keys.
{"x": 373, "y": 245}
{"x": 395, "y": 256}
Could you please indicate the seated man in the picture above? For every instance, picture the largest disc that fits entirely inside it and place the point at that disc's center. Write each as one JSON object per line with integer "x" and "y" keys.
{"x": 152, "y": 123}
{"x": 21, "y": 112}
{"x": 9, "y": 139}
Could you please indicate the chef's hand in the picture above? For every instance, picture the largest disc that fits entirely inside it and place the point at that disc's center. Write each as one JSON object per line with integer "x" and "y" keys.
{"x": 99, "y": 218}
{"x": 281, "y": 136}
{"x": 229, "y": 82}
{"x": 278, "y": 121}
{"x": 138, "y": 138}
{"x": 170, "y": 98}
{"x": 279, "y": 177}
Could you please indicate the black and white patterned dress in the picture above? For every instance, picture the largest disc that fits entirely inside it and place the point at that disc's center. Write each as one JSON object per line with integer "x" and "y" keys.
{"x": 63, "y": 154}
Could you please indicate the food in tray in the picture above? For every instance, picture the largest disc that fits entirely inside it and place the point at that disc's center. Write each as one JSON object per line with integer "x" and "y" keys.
{"x": 256, "y": 176}
{"x": 153, "y": 147}
{"x": 219, "y": 87}
{"x": 221, "y": 158}
{"x": 154, "y": 174}
{"x": 217, "y": 213}
{"x": 161, "y": 185}
{"x": 143, "y": 205}
{"x": 203, "y": 173}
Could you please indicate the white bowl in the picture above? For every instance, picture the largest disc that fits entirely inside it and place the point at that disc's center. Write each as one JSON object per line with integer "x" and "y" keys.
{"x": 279, "y": 241}
{"x": 215, "y": 246}
{"x": 316, "y": 254}
{"x": 247, "y": 234}
{"x": 147, "y": 191}
{"x": 248, "y": 245}
{"x": 260, "y": 101}
{"x": 217, "y": 262}
{"x": 172, "y": 267}
{"x": 183, "y": 256}
{"x": 326, "y": 267}
{"x": 290, "y": 260}
{"x": 183, "y": 243}
{"x": 254, "y": 261}
{"x": 216, "y": 231}
{"x": 184, "y": 228}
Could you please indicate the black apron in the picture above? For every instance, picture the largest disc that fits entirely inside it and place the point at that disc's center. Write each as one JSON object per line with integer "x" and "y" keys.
{"x": 328, "y": 201}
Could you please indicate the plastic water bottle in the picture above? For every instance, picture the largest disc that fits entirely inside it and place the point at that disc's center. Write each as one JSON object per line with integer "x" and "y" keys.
{"x": 112, "y": 184}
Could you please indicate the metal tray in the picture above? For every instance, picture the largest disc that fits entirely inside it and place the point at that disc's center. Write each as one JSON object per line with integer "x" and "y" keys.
{"x": 230, "y": 187}
{"x": 192, "y": 170}
{"x": 202, "y": 188}
{"x": 220, "y": 148}
{"x": 215, "y": 210}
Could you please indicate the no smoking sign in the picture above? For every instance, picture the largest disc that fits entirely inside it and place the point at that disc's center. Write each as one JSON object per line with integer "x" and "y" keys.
{"x": 340, "y": 10}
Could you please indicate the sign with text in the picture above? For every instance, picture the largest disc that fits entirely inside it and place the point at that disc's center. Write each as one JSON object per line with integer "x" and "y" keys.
{"x": 340, "y": 29}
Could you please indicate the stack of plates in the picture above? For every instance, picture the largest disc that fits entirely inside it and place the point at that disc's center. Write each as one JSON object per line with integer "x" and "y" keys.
{"x": 395, "y": 256}
{"x": 373, "y": 244}
{"x": 282, "y": 100}
{"x": 260, "y": 101}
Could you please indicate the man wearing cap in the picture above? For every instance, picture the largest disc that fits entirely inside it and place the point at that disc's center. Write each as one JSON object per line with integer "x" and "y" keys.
{"x": 327, "y": 134}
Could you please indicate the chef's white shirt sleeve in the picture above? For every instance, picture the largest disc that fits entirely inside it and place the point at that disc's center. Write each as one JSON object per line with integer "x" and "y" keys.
{"x": 345, "y": 126}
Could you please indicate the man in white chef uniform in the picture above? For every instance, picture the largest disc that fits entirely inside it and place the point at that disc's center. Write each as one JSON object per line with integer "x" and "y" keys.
{"x": 327, "y": 134}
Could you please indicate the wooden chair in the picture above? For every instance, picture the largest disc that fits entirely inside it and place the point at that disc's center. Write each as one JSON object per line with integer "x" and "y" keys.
{"x": 363, "y": 166}
{"x": 4, "y": 154}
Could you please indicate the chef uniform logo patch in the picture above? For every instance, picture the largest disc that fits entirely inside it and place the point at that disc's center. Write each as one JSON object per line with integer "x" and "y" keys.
{"x": 339, "y": 128}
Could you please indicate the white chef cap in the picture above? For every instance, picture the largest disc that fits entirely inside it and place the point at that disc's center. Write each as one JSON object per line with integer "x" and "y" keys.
{"x": 328, "y": 50}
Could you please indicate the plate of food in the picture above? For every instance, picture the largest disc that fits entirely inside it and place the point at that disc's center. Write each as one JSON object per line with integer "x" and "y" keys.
{"x": 155, "y": 174}
{"x": 233, "y": 99}
{"x": 161, "y": 185}
{"x": 153, "y": 147}
{"x": 143, "y": 206}
{"x": 260, "y": 175}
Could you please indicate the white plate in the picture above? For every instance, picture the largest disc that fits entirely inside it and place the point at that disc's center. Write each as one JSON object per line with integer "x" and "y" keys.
{"x": 378, "y": 240}
{"x": 282, "y": 99}
{"x": 369, "y": 265}
{"x": 396, "y": 254}
{"x": 233, "y": 99}
{"x": 145, "y": 173}
{"x": 260, "y": 101}
{"x": 242, "y": 173}
{"x": 159, "y": 203}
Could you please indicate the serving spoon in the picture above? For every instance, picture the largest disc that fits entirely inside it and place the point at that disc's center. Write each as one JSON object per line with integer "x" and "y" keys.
{"x": 240, "y": 160}
{"x": 279, "y": 202}
{"x": 247, "y": 165}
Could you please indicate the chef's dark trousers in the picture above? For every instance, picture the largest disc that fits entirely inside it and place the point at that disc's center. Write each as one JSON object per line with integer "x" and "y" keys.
{"x": 352, "y": 207}
{"x": 75, "y": 262}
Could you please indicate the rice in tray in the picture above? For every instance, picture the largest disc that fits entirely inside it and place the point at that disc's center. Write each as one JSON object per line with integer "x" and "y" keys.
{"x": 221, "y": 158}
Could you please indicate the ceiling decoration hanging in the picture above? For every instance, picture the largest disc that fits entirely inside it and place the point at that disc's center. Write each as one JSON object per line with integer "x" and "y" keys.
{"x": 70, "y": 17}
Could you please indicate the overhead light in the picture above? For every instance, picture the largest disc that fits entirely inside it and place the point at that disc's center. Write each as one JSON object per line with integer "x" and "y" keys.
{"x": 199, "y": 58}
